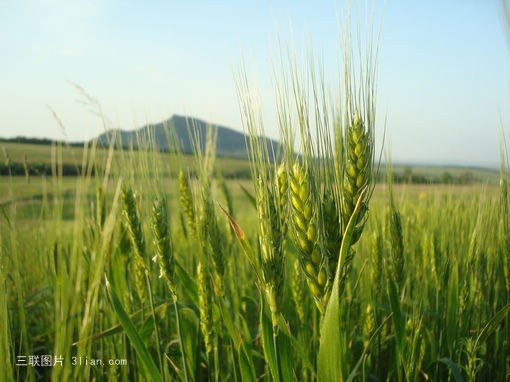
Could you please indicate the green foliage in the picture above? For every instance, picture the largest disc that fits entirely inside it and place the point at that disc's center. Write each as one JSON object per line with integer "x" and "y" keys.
{"x": 421, "y": 315}
{"x": 151, "y": 370}
{"x": 331, "y": 363}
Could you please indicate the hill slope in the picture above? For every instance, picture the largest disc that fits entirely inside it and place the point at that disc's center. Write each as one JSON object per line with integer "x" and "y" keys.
{"x": 178, "y": 130}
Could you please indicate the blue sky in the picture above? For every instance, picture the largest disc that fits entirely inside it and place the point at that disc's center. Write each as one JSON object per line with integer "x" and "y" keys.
{"x": 443, "y": 84}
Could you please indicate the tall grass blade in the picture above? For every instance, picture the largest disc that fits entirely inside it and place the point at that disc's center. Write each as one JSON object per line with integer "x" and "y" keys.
{"x": 245, "y": 244}
{"x": 6, "y": 372}
{"x": 331, "y": 348}
{"x": 397, "y": 316}
{"x": 191, "y": 290}
{"x": 249, "y": 196}
{"x": 267, "y": 342}
{"x": 453, "y": 367}
{"x": 152, "y": 371}
{"x": 492, "y": 325}
{"x": 246, "y": 365}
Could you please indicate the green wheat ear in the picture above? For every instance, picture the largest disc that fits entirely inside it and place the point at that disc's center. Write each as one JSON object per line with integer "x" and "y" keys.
{"x": 163, "y": 245}
{"x": 271, "y": 241}
{"x": 205, "y": 307}
{"x": 305, "y": 236}
{"x": 134, "y": 228}
{"x": 282, "y": 186}
{"x": 186, "y": 199}
{"x": 357, "y": 174}
{"x": 132, "y": 221}
{"x": 396, "y": 247}
{"x": 332, "y": 234}
{"x": 297, "y": 291}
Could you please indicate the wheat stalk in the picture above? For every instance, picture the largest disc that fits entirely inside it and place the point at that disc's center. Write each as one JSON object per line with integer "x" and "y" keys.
{"x": 137, "y": 238}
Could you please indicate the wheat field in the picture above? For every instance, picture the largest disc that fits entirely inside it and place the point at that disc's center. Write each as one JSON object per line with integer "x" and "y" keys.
{"x": 152, "y": 266}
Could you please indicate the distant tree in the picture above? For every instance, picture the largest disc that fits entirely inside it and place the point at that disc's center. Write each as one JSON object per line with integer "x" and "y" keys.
{"x": 408, "y": 175}
{"x": 466, "y": 177}
{"x": 447, "y": 178}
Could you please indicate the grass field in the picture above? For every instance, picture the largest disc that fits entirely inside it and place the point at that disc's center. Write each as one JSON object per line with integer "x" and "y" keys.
{"x": 426, "y": 296}
{"x": 73, "y": 157}
{"x": 58, "y": 247}
{"x": 150, "y": 266}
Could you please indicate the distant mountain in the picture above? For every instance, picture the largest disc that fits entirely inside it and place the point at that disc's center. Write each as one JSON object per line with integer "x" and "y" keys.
{"x": 183, "y": 131}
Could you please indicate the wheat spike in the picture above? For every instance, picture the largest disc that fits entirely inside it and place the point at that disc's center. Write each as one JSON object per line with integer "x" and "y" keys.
{"x": 136, "y": 236}
{"x": 186, "y": 198}
{"x": 297, "y": 291}
{"x": 205, "y": 308}
{"x": 162, "y": 242}
{"x": 357, "y": 172}
{"x": 271, "y": 242}
{"x": 332, "y": 234}
{"x": 305, "y": 235}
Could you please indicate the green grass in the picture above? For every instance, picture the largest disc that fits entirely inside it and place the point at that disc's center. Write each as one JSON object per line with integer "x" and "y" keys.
{"x": 454, "y": 286}
{"x": 72, "y": 156}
